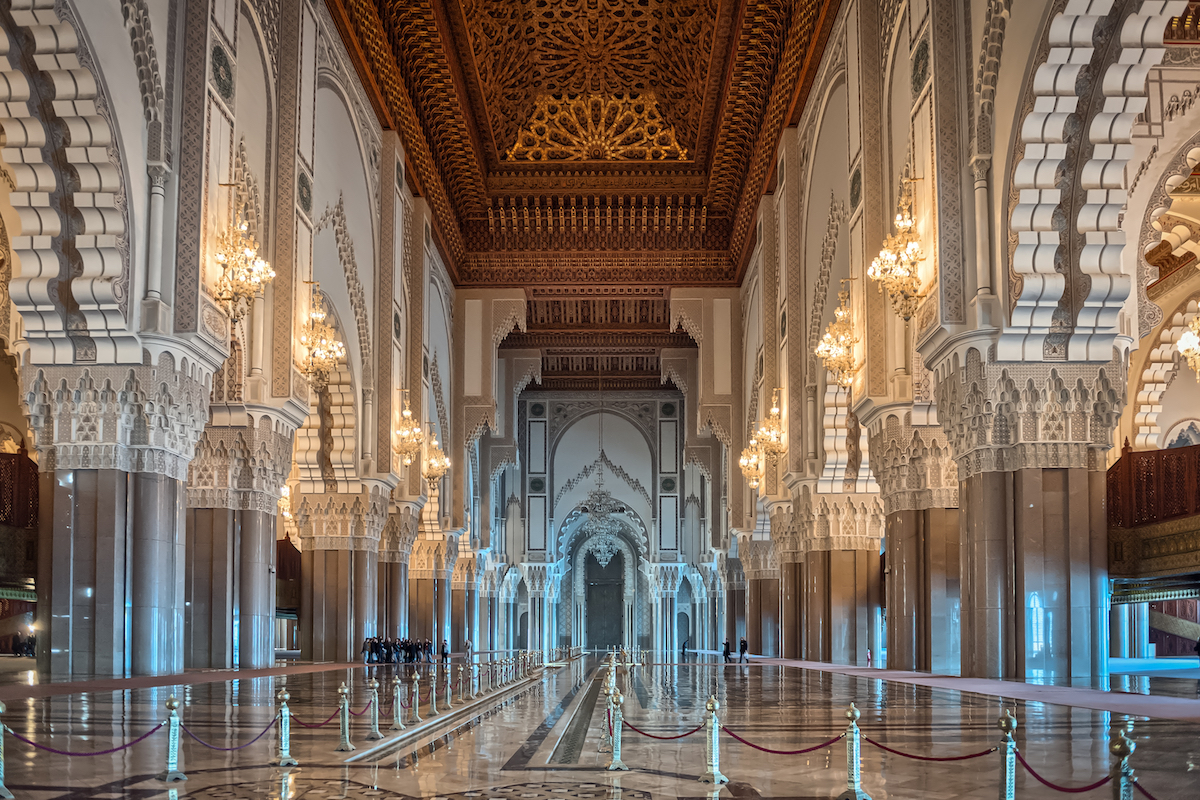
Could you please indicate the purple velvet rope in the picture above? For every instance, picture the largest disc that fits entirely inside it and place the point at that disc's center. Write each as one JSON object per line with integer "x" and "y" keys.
{"x": 229, "y": 749}
{"x": 360, "y": 713}
{"x": 32, "y": 743}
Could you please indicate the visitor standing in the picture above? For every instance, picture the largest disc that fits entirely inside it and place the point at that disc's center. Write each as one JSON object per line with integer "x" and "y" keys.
{"x": 727, "y": 653}
{"x": 445, "y": 653}
{"x": 743, "y": 649}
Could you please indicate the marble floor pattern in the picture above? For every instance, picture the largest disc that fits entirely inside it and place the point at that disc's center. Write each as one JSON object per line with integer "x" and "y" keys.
{"x": 542, "y": 742}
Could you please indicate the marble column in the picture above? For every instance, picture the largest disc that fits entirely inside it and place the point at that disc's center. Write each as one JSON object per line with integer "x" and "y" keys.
{"x": 754, "y": 615}
{"x": 441, "y": 625}
{"x": 1035, "y": 601}
{"x": 458, "y": 619}
{"x": 816, "y": 607}
{"x": 923, "y": 590}
{"x": 82, "y": 518}
{"x": 420, "y": 607}
{"x": 157, "y": 555}
{"x": 366, "y": 595}
{"x": 211, "y": 588}
{"x": 768, "y": 605}
{"x": 1119, "y": 631}
{"x": 256, "y": 590}
{"x": 473, "y": 626}
{"x": 790, "y": 610}
{"x": 328, "y": 603}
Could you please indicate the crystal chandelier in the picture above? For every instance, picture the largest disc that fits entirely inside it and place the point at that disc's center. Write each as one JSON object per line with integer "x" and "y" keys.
{"x": 753, "y": 464}
{"x": 837, "y": 346}
{"x": 770, "y": 433}
{"x": 603, "y": 546}
{"x": 409, "y": 435}
{"x": 600, "y": 504}
{"x": 896, "y": 265}
{"x": 285, "y": 502}
{"x": 1189, "y": 345}
{"x": 436, "y": 464}
{"x": 325, "y": 349}
{"x": 244, "y": 274}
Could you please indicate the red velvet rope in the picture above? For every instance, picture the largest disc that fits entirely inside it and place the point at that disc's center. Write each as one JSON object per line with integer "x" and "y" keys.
{"x": 360, "y": 713}
{"x": 885, "y": 748}
{"x": 1056, "y": 787}
{"x": 1138, "y": 786}
{"x": 610, "y": 729}
{"x": 662, "y": 738}
{"x": 317, "y": 724}
{"x": 821, "y": 746}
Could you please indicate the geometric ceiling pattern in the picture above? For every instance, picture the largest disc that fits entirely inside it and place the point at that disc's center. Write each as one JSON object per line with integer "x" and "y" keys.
{"x": 589, "y": 142}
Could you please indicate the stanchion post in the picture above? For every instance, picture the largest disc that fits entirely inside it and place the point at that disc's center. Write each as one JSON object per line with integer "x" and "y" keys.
{"x": 460, "y": 685}
{"x": 712, "y": 746}
{"x": 344, "y": 718}
{"x": 1008, "y": 756}
{"x": 374, "y": 733}
{"x": 853, "y": 759}
{"x": 172, "y": 773}
{"x": 397, "y": 708}
{"x": 416, "y": 697}
{"x": 1122, "y": 748}
{"x": 449, "y": 687}
{"x": 4, "y": 792}
{"x": 605, "y": 744}
{"x": 433, "y": 687}
{"x": 616, "y": 719}
{"x": 285, "y": 732}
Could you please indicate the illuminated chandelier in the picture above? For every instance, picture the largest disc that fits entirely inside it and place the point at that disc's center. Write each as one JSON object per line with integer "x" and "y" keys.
{"x": 244, "y": 274}
{"x": 770, "y": 434}
{"x": 325, "y": 349}
{"x": 285, "y": 502}
{"x": 600, "y": 504}
{"x": 836, "y": 349}
{"x": 437, "y": 463}
{"x": 753, "y": 464}
{"x": 896, "y": 265}
{"x": 409, "y": 436}
{"x": 1189, "y": 345}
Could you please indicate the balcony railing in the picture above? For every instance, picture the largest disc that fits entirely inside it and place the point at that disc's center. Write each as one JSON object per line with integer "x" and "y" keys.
{"x": 1149, "y": 486}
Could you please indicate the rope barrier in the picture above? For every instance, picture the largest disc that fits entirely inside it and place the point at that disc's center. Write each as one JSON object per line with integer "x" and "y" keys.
{"x": 360, "y": 713}
{"x": 696, "y": 729}
{"x": 317, "y": 724}
{"x": 1137, "y": 785}
{"x": 887, "y": 749}
{"x": 32, "y": 743}
{"x": 263, "y": 733}
{"x": 821, "y": 746}
{"x": 1056, "y": 787}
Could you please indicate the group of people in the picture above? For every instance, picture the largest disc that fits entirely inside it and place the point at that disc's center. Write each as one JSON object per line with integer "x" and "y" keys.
{"x": 743, "y": 652}
{"x": 23, "y": 645}
{"x": 383, "y": 650}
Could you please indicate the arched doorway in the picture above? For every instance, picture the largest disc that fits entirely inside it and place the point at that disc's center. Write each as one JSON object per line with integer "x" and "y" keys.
{"x": 605, "y": 600}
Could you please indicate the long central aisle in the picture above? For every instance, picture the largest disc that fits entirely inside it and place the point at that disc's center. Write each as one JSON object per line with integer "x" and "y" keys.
{"x": 543, "y": 741}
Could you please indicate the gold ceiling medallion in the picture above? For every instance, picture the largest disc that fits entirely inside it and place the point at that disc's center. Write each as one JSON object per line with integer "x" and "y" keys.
{"x": 624, "y": 127}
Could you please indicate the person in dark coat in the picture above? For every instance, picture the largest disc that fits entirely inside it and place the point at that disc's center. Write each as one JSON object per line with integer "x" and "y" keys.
{"x": 743, "y": 649}
{"x": 727, "y": 653}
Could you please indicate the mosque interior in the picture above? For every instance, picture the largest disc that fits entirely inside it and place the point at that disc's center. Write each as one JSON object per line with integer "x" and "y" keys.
{"x": 774, "y": 398}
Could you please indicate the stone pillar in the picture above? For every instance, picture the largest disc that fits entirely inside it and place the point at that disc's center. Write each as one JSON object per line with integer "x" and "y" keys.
{"x": 256, "y": 591}
{"x": 420, "y": 607}
{"x": 458, "y": 618}
{"x": 366, "y": 595}
{"x": 111, "y": 558}
{"x": 1119, "y": 631}
{"x": 474, "y": 624}
{"x": 1029, "y": 441}
{"x": 768, "y": 609}
{"x": 156, "y": 569}
{"x": 841, "y": 605}
{"x": 816, "y": 608}
{"x": 210, "y": 585}
{"x": 923, "y": 590}
{"x": 754, "y": 614}
{"x": 1139, "y": 629}
{"x": 441, "y": 602}
{"x": 790, "y": 611}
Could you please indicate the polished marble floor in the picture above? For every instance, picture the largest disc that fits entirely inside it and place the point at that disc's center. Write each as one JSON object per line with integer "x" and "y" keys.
{"x": 542, "y": 742}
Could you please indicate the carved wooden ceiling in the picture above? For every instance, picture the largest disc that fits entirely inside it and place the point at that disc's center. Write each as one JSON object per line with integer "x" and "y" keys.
{"x": 589, "y": 142}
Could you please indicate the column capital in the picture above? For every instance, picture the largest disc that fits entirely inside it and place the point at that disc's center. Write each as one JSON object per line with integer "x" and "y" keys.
{"x": 241, "y": 467}
{"x": 1006, "y": 416}
{"x": 912, "y": 464}
{"x": 133, "y": 418}
{"x": 334, "y": 521}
